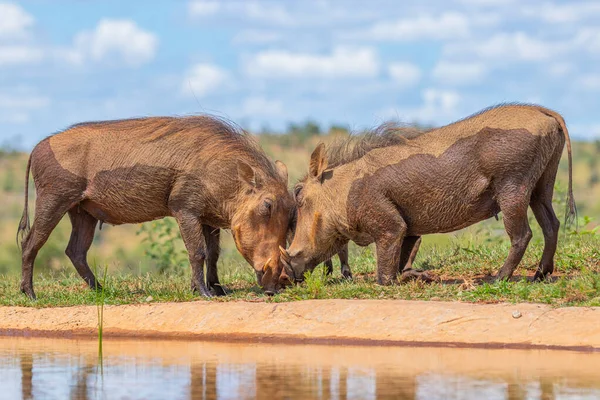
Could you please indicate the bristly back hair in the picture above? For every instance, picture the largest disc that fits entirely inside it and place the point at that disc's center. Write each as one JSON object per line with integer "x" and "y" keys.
{"x": 231, "y": 139}
{"x": 355, "y": 146}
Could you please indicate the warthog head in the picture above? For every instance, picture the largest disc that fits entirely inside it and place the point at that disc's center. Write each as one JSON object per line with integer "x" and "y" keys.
{"x": 260, "y": 224}
{"x": 315, "y": 238}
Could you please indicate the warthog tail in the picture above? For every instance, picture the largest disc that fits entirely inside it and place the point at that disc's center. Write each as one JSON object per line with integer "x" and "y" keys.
{"x": 571, "y": 208}
{"x": 24, "y": 225}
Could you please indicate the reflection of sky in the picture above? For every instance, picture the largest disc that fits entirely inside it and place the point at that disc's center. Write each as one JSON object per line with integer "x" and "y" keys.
{"x": 236, "y": 381}
{"x": 61, "y": 376}
{"x": 360, "y": 383}
{"x": 10, "y": 378}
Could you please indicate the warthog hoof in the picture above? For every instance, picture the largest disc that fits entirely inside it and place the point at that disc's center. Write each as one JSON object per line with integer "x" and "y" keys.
{"x": 540, "y": 276}
{"x": 28, "y": 290}
{"x": 413, "y": 275}
{"x": 347, "y": 274}
{"x": 218, "y": 290}
{"x": 201, "y": 290}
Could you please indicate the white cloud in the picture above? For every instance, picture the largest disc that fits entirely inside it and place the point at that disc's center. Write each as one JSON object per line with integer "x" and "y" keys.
{"x": 516, "y": 46}
{"x": 271, "y": 12}
{"x": 560, "y": 69}
{"x": 487, "y": 3}
{"x": 563, "y": 13}
{"x": 261, "y": 106}
{"x": 589, "y": 82}
{"x": 459, "y": 73}
{"x": 17, "y": 104}
{"x": 404, "y": 74}
{"x": 343, "y": 62}
{"x": 437, "y": 107}
{"x": 14, "y": 21}
{"x": 20, "y": 54}
{"x": 14, "y": 117}
{"x": 584, "y": 131}
{"x": 447, "y": 26}
{"x": 588, "y": 40}
{"x": 204, "y": 79}
{"x": 23, "y": 102}
{"x": 200, "y": 8}
{"x": 254, "y": 36}
{"x": 116, "y": 41}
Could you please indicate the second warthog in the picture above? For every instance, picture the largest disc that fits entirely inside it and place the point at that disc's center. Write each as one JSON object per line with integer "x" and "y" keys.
{"x": 389, "y": 190}
{"x": 201, "y": 170}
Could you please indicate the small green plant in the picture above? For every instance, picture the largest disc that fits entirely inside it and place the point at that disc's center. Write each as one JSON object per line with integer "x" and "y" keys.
{"x": 100, "y": 300}
{"x": 315, "y": 282}
{"x": 163, "y": 244}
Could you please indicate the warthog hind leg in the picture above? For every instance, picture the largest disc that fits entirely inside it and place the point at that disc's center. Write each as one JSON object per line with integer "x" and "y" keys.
{"x": 82, "y": 235}
{"x": 541, "y": 204}
{"x": 514, "y": 207}
{"x": 49, "y": 209}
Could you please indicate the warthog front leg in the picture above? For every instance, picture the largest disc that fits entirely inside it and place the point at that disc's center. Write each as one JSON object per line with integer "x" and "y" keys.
{"x": 212, "y": 237}
{"x": 343, "y": 256}
{"x": 345, "y": 268}
{"x": 388, "y": 243}
{"x": 193, "y": 238}
{"x": 410, "y": 247}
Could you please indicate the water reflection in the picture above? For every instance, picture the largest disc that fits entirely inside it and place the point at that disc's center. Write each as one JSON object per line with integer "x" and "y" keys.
{"x": 47, "y": 369}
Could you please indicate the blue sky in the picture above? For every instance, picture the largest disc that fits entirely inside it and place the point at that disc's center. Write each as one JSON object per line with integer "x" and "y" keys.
{"x": 268, "y": 63}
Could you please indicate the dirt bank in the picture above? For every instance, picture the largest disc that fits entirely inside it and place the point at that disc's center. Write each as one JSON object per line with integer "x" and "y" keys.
{"x": 327, "y": 321}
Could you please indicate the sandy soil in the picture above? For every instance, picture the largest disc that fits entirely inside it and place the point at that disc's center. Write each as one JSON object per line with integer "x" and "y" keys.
{"x": 327, "y": 321}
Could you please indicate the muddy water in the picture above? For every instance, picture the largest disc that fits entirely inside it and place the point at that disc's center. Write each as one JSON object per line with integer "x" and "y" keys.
{"x": 63, "y": 369}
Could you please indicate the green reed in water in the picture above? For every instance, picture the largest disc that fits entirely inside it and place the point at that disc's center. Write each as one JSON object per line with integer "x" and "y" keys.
{"x": 100, "y": 300}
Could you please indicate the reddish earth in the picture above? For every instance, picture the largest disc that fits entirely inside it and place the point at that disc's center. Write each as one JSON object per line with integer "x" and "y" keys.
{"x": 329, "y": 321}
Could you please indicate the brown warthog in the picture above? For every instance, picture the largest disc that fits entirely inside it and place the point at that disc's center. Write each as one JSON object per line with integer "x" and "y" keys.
{"x": 201, "y": 170}
{"x": 390, "y": 190}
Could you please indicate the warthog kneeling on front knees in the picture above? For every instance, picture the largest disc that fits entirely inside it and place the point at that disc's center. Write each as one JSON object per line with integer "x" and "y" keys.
{"x": 389, "y": 190}
{"x": 203, "y": 171}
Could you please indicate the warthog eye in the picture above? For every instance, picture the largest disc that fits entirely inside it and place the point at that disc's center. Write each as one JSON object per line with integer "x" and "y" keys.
{"x": 265, "y": 208}
{"x": 298, "y": 194}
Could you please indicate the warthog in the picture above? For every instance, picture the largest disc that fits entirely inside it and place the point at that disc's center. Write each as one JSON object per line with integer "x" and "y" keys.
{"x": 203, "y": 171}
{"x": 389, "y": 190}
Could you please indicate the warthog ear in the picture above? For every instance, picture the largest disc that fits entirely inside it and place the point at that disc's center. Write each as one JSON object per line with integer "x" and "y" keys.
{"x": 318, "y": 161}
{"x": 282, "y": 170}
{"x": 247, "y": 174}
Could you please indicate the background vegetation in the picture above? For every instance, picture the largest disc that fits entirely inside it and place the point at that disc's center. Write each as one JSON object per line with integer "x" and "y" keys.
{"x": 149, "y": 259}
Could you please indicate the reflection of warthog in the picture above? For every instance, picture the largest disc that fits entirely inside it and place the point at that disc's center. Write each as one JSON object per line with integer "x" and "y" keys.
{"x": 390, "y": 190}
{"x": 201, "y": 170}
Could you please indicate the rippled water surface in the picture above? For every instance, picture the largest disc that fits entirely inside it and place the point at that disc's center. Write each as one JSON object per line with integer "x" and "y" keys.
{"x": 69, "y": 369}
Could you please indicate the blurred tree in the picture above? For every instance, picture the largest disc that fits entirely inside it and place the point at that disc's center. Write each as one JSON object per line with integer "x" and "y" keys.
{"x": 9, "y": 180}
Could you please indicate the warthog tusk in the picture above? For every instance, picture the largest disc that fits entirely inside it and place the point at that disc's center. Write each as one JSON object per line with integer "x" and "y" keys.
{"x": 284, "y": 254}
{"x": 288, "y": 270}
{"x": 266, "y": 264}
{"x": 285, "y": 260}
